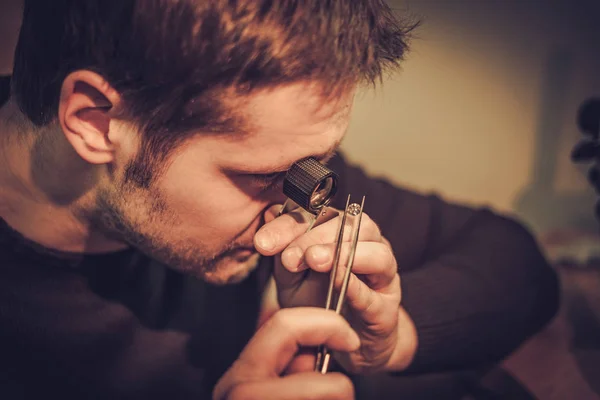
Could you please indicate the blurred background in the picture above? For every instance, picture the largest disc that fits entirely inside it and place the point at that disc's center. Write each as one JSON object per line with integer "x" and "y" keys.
{"x": 485, "y": 109}
{"x": 485, "y": 112}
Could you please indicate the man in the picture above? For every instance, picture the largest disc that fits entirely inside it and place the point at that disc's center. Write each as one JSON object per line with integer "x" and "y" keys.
{"x": 140, "y": 134}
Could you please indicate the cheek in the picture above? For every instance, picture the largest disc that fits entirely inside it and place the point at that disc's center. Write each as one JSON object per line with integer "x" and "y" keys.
{"x": 210, "y": 207}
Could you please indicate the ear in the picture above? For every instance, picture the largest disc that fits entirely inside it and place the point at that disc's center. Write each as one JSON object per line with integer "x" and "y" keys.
{"x": 87, "y": 104}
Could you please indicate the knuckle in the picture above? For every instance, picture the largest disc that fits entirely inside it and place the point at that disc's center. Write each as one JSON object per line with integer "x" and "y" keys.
{"x": 382, "y": 256}
{"x": 282, "y": 319}
{"x": 382, "y": 252}
{"x": 367, "y": 218}
{"x": 370, "y": 227}
{"x": 387, "y": 242}
{"x": 389, "y": 253}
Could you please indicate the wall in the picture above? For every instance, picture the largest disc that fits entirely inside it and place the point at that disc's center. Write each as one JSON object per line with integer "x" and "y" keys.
{"x": 484, "y": 110}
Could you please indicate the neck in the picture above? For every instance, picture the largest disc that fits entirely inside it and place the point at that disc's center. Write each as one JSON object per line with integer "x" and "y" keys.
{"x": 44, "y": 186}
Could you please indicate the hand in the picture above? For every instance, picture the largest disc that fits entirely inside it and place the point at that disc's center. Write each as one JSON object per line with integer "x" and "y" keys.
{"x": 387, "y": 334}
{"x": 274, "y": 351}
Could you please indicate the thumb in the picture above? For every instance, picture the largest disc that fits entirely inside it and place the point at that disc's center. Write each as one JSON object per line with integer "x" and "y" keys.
{"x": 276, "y": 342}
{"x": 284, "y": 278}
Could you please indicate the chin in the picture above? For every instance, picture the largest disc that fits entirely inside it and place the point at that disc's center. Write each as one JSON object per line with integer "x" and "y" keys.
{"x": 231, "y": 269}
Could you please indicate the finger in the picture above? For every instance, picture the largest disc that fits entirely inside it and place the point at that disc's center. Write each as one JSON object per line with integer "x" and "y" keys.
{"x": 304, "y": 361}
{"x": 272, "y": 212}
{"x": 374, "y": 260}
{"x": 371, "y": 304}
{"x": 302, "y": 386}
{"x": 289, "y": 230}
{"x": 287, "y": 280}
{"x": 327, "y": 233}
{"x": 280, "y": 229}
{"x": 278, "y": 340}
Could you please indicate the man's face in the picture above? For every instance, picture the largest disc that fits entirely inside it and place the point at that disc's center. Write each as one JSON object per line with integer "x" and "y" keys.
{"x": 201, "y": 214}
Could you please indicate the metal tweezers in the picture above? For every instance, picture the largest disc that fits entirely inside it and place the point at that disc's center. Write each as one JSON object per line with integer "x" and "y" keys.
{"x": 356, "y": 211}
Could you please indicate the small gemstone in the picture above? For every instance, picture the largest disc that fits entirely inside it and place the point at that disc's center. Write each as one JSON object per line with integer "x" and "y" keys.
{"x": 354, "y": 209}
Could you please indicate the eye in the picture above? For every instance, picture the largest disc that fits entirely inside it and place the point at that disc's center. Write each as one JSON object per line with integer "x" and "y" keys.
{"x": 267, "y": 181}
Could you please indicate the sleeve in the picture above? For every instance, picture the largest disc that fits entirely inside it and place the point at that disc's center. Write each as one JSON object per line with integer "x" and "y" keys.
{"x": 475, "y": 283}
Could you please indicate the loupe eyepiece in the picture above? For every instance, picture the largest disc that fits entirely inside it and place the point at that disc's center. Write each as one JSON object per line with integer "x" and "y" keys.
{"x": 310, "y": 184}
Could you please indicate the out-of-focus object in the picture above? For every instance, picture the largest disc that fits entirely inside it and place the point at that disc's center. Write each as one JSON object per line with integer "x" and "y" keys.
{"x": 588, "y": 150}
{"x": 589, "y": 117}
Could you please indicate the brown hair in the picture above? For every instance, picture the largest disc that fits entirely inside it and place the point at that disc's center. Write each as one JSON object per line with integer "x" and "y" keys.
{"x": 171, "y": 60}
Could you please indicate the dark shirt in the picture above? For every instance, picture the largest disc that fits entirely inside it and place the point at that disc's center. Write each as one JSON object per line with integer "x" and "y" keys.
{"x": 4, "y": 89}
{"x": 120, "y": 326}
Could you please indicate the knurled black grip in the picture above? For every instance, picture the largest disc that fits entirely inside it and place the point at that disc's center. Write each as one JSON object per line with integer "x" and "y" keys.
{"x": 303, "y": 178}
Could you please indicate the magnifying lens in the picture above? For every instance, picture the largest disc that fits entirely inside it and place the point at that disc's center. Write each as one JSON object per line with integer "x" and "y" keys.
{"x": 310, "y": 184}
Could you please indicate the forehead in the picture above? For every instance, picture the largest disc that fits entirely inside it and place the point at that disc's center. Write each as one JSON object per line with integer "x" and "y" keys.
{"x": 297, "y": 103}
{"x": 288, "y": 123}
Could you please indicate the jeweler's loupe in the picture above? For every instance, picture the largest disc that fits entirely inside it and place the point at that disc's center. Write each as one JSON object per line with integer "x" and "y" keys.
{"x": 310, "y": 185}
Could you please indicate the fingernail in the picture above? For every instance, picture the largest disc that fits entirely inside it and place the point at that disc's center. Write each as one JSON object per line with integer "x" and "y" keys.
{"x": 266, "y": 240}
{"x": 292, "y": 258}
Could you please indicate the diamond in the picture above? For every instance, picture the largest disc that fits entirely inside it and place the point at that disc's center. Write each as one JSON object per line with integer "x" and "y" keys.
{"x": 354, "y": 209}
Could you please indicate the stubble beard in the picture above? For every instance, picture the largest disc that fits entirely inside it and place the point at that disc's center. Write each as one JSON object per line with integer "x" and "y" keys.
{"x": 110, "y": 216}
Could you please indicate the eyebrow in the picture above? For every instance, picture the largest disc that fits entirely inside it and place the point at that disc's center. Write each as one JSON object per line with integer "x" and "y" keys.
{"x": 322, "y": 158}
{"x": 267, "y": 170}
